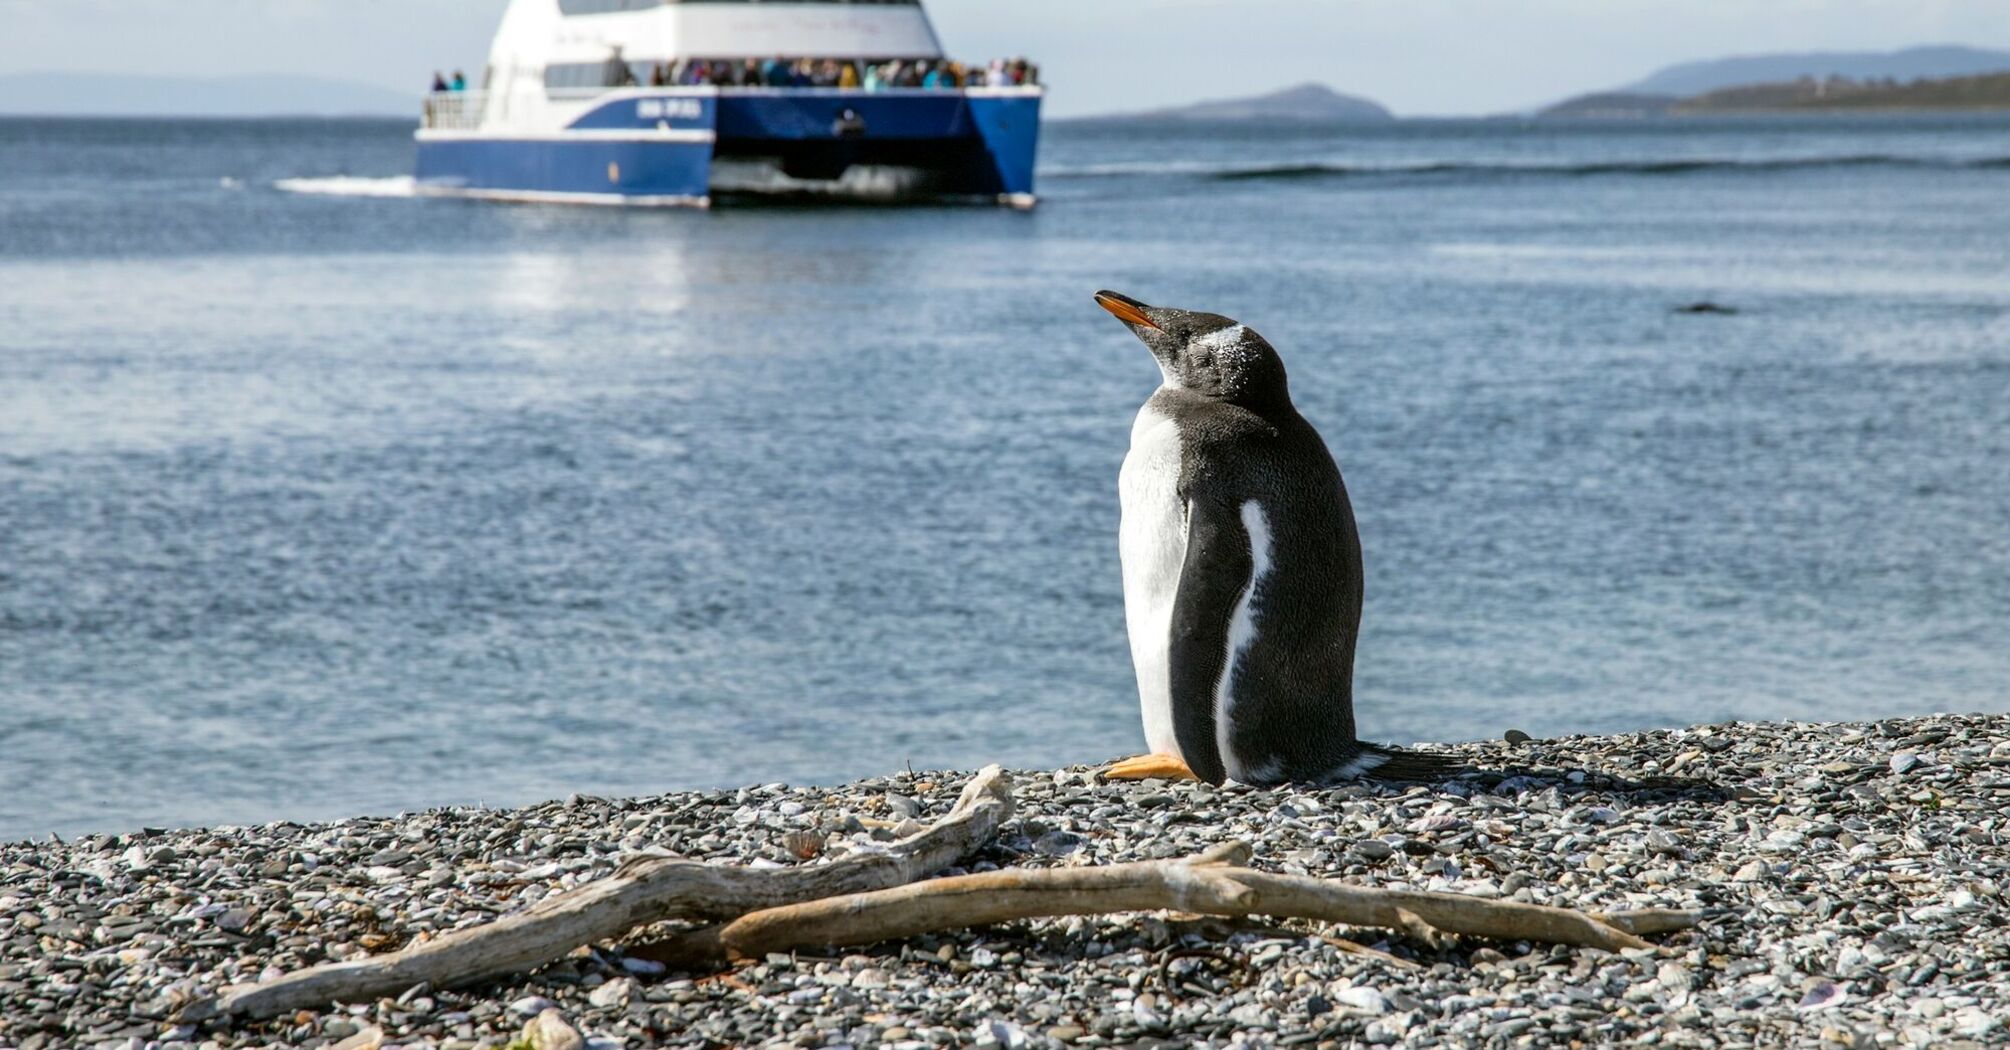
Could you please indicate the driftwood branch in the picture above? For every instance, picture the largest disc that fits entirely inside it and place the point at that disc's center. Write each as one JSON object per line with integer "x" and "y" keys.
{"x": 644, "y": 890}
{"x": 1213, "y": 883}
{"x": 1642, "y": 921}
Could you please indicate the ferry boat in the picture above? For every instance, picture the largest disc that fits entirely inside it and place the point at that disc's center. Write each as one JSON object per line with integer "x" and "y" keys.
{"x": 672, "y": 102}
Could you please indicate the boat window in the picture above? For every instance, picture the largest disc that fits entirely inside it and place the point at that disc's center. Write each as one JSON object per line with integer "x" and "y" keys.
{"x": 601, "y": 7}
{"x": 611, "y": 73}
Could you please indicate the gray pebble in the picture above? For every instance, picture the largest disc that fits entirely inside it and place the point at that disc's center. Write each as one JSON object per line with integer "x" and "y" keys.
{"x": 1842, "y": 900}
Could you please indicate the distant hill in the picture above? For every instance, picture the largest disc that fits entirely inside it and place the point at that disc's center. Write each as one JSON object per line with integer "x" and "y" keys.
{"x": 258, "y": 95}
{"x": 1991, "y": 91}
{"x": 1613, "y": 104}
{"x": 1306, "y": 102}
{"x": 1696, "y": 78}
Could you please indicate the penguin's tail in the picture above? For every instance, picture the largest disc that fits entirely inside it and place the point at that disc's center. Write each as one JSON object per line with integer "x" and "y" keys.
{"x": 1374, "y": 762}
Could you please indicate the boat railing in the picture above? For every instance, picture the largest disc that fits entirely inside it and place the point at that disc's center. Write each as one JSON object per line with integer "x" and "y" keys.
{"x": 588, "y": 94}
{"x": 455, "y": 110}
{"x": 465, "y": 110}
{"x": 1015, "y": 90}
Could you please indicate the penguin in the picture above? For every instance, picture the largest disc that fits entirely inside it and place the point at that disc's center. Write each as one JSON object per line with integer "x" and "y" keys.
{"x": 1242, "y": 570}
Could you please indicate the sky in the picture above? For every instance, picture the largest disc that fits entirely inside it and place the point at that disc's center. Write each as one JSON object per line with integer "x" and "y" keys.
{"x": 1419, "y": 57}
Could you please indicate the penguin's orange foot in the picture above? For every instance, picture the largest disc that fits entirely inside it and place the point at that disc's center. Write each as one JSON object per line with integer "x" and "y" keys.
{"x": 1148, "y": 767}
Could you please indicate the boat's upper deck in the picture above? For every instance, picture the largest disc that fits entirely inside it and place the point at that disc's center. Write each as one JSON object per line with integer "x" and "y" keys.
{"x": 552, "y": 59}
{"x": 541, "y": 32}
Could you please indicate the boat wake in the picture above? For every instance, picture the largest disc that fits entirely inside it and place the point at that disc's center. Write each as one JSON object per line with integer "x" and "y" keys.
{"x": 1321, "y": 170}
{"x": 352, "y": 186}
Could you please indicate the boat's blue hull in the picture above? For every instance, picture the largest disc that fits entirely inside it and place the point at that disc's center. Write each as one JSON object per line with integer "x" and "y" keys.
{"x": 659, "y": 146}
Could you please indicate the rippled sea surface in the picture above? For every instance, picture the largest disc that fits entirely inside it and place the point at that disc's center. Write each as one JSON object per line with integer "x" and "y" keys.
{"x": 318, "y": 499}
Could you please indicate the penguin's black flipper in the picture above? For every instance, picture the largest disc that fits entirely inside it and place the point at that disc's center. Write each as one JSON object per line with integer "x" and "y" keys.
{"x": 1218, "y": 569}
{"x": 1388, "y": 763}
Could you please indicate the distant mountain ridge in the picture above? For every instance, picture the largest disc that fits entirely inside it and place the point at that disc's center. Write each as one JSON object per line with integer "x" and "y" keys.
{"x": 1306, "y": 102}
{"x": 251, "y": 95}
{"x": 1729, "y": 84}
{"x": 1914, "y": 63}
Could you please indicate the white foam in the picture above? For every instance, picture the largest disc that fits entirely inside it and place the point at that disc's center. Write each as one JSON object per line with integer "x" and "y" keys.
{"x": 1090, "y": 171}
{"x": 352, "y": 186}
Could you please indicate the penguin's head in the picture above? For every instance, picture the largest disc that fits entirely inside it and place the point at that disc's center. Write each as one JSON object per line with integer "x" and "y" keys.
{"x": 1208, "y": 354}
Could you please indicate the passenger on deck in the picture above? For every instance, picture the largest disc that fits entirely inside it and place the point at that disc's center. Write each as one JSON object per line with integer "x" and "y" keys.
{"x": 460, "y": 82}
{"x": 780, "y": 72}
{"x": 439, "y": 82}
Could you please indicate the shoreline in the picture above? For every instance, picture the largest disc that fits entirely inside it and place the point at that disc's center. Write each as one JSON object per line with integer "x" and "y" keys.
{"x": 1854, "y": 871}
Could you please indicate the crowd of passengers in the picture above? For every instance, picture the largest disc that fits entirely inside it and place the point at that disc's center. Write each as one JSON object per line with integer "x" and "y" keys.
{"x": 804, "y": 72}
{"x": 839, "y": 73}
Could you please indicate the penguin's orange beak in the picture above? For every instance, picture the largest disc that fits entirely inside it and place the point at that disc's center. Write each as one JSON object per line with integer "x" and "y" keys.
{"x": 1125, "y": 309}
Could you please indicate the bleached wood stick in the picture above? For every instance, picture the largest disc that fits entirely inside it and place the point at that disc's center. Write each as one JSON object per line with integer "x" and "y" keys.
{"x": 642, "y": 891}
{"x": 1353, "y": 948}
{"x": 1213, "y": 883}
{"x": 1643, "y": 921}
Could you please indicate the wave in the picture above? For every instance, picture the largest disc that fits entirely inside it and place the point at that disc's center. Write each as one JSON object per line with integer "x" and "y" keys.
{"x": 1313, "y": 170}
{"x": 352, "y": 186}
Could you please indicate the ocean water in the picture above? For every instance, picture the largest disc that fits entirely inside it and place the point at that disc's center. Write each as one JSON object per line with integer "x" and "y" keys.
{"x": 318, "y": 499}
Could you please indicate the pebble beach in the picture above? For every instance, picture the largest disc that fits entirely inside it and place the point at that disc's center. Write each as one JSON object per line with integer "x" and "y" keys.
{"x": 1852, "y": 875}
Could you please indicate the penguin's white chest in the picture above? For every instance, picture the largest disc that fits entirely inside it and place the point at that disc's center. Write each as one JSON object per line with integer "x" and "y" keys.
{"x": 1152, "y": 542}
